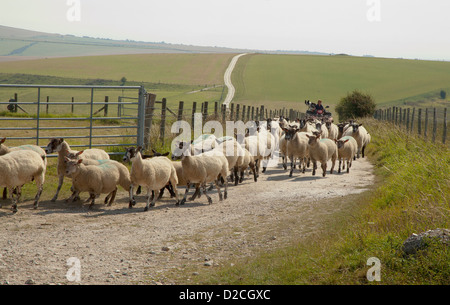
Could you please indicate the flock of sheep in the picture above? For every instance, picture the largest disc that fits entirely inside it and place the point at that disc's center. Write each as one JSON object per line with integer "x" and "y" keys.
{"x": 206, "y": 160}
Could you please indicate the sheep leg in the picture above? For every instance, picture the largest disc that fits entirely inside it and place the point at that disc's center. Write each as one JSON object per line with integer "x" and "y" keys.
{"x": 113, "y": 196}
{"x": 204, "y": 192}
{"x": 324, "y": 168}
{"x": 218, "y": 190}
{"x": 292, "y": 166}
{"x": 107, "y": 198}
{"x": 40, "y": 187}
{"x": 314, "y": 167}
{"x": 333, "y": 162}
{"x": 149, "y": 203}
{"x": 362, "y": 151}
{"x": 138, "y": 191}
{"x": 132, "y": 201}
{"x": 60, "y": 182}
{"x": 14, "y": 200}
{"x": 304, "y": 165}
{"x": 236, "y": 176}
{"x": 92, "y": 197}
{"x": 241, "y": 179}
{"x": 183, "y": 201}
{"x": 284, "y": 162}
{"x": 255, "y": 177}
{"x": 348, "y": 165}
{"x": 5, "y": 193}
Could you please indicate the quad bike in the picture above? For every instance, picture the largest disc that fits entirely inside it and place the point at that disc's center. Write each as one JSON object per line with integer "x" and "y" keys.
{"x": 316, "y": 114}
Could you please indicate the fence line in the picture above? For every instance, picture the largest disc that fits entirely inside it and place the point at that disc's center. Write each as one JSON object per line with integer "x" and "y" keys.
{"x": 409, "y": 119}
{"x": 158, "y": 116}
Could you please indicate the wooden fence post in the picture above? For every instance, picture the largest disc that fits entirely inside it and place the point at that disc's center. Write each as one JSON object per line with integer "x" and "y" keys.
{"x": 412, "y": 119}
{"x": 180, "y": 111}
{"x": 216, "y": 109}
{"x": 444, "y": 135}
{"x": 243, "y": 113}
{"x": 425, "y": 132}
{"x": 232, "y": 112}
{"x": 149, "y": 109}
{"x": 162, "y": 129}
{"x": 194, "y": 109}
{"x": 253, "y": 113}
{"x": 237, "y": 112}
{"x": 224, "y": 113}
{"x": 261, "y": 113}
{"x": 419, "y": 122}
{"x": 72, "y": 103}
{"x": 48, "y": 99}
{"x": 205, "y": 111}
{"x": 407, "y": 121}
{"x": 105, "y": 109}
{"x": 434, "y": 125}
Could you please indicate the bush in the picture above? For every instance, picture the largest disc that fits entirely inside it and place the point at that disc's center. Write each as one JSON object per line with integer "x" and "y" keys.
{"x": 355, "y": 105}
{"x": 443, "y": 94}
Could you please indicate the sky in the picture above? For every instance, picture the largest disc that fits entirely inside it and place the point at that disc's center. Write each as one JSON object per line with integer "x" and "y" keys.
{"x": 383, "y": 28}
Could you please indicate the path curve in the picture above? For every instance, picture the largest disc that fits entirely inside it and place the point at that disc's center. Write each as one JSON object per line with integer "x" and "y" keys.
{"x": 227, "y": 79}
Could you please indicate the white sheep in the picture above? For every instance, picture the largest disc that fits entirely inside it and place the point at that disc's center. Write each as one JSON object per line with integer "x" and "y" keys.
{"x": 347, "y": 148}
{"x": 20, "y": 167}
{"x": 95, "y": 179}
{"x": 261, "y": 146}
{"x": 5, "y": 150}
{"x": 63, "y": 149}
{"x": 234, "y": 153}
{"x": 333, "y": 130}
{"x": 202, "y": 169}
{"x": 361, "y": 136}
{"x": 322, "y": 150}
{"x": 247, "y": 162}
{"x": 124, "y": 173}
{"x": 322, "y": 128}
{"x": 154, "y": 173}
{"x": 297, "y": 148}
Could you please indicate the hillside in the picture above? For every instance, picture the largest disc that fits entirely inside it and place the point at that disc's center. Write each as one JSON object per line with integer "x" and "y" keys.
{"x": 287, "y": 80}
{"x": 19, "y": 44}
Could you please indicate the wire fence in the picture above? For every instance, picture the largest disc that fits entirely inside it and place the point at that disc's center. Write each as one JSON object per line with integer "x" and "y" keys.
{"x": 430, "y": 123}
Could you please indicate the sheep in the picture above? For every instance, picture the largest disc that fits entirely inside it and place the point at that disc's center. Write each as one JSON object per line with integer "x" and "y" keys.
{"x": 234, "y": 154}
{"x": 154, "y": 173}
{"x": 95, "y": 179}
{"x": 361, "y": 136}
{"x": 247, "y": 161}
{"x": 204, "y": 168}
{"x": 261, "y": 146}
{"x": 5, "y": 149}
{"x": 297, "y": 147}
{"x": 322, "y": 128}
{"x": 20, "y": 167}
{"x": 322, "y": 150}
{"x": 333, "y": 130}
{"x": 124, "y": 178}
{"x": 62, "y": 148}
{"x": 347, "y": 148}
{"x": 342, "y": 127}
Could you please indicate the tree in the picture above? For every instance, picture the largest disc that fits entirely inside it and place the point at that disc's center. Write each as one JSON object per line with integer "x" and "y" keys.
{"x": 355, "y": 105}
{"x": 443, "y": 94}
{"x": 123, "y": 80}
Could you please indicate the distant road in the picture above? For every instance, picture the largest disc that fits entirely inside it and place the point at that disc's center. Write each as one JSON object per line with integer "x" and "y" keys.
{"x": 227, "y": 79}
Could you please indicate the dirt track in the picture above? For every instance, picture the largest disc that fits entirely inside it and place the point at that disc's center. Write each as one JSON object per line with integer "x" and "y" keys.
{"x": 117, "y": 245}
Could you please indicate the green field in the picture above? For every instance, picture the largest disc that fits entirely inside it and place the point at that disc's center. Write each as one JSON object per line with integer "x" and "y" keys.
{"x": 274, "y": 81}
{"x": 285, "y": 80}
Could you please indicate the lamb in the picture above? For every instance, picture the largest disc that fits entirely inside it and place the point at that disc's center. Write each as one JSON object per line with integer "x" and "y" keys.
{"x": 204, "y": 168}
{"x": 347, "y": 148}
{"x": 361, "y": 136}
{"x": 5, "y": 150}
{"x": 297, "y": 147}
{"x": 322, "y": 150}
{"x": 20, "y": 167}
{"x": 333, "y": 130}
{"x": 62, "y": 148}
{"x": 95, "y": 179}
{"x": 124, "y": 174}
{"x": 154, "y": 173}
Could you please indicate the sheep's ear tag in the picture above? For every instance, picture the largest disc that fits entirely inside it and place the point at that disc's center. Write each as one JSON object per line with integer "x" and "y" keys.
{"x": 2, "y": 140}
{"x": 79, "y": 161}
{"x": 346, "y": 141}
{"x": 80, "y": 152}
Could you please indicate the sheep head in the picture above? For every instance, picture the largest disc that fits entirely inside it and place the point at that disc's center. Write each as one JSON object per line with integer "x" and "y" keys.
{"x": 54, "y": 145}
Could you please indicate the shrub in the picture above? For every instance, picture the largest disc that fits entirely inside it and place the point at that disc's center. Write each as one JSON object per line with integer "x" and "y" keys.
{"x": 355, "y": 105}
{"x": 443, "y": 94}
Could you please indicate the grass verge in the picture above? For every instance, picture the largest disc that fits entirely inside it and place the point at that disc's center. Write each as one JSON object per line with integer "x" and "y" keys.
{"x": 412, "y": 196}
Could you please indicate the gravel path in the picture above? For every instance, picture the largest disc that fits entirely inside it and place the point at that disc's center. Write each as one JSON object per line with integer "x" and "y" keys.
{"x": 117, "y": 245}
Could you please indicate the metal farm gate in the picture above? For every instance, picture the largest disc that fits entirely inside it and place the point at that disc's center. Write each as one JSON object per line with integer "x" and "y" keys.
{"x": 83, "y": 115}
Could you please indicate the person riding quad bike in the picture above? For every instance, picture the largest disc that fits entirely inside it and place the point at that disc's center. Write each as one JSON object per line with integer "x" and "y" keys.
{"x": 317, "y": 109}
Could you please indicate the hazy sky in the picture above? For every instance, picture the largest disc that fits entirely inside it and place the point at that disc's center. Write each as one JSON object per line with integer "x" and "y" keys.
{"x": 386, "y": 28}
